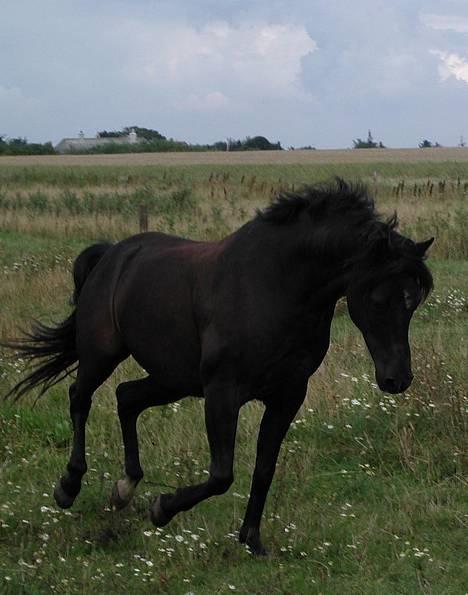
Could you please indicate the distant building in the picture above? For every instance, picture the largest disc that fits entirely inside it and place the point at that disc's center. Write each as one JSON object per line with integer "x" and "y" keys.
{"x": 73, "y": 145}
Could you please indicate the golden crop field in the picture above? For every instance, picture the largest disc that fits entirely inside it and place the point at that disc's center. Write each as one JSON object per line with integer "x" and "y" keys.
{"x": 296, "y": 157}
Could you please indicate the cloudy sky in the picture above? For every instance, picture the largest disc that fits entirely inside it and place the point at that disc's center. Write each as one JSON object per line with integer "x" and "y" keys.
{"x": 304, "y": 72}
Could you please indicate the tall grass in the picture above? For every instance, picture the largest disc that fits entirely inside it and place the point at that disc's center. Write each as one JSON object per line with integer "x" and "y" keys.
{"x": 205, "y": 202}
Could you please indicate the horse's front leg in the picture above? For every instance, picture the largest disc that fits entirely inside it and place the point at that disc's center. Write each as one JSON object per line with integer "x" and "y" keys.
{"x": 279, "y": 413}
{"x": 221, "y": 413}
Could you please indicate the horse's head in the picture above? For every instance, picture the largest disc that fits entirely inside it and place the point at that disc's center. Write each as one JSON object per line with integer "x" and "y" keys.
{"x": 387, "y": 285}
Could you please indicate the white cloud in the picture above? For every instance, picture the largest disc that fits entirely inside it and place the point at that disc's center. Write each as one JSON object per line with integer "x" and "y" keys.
{"x": 302, "y": 72}
{"x": 452, "y": 65}
{"x": 397, "y": 73}
{"x": 219, "y": 57}
{"x": 446, "y": 22}
{"x": 209, "y": 102}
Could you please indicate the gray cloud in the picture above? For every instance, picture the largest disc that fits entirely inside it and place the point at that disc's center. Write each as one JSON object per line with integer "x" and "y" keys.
{"x": 303, "y": 72}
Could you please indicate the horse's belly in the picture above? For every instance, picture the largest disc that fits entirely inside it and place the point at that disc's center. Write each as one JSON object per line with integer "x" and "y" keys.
{"x": 161, "y": 336}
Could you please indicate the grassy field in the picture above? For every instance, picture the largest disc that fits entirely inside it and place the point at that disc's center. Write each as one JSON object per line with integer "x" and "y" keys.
{"x": 370, "y": 492}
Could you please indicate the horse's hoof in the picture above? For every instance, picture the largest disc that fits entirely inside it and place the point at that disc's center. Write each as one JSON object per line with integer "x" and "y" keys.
{"x": 116, "y": 500}
{"x": 252, "y": 540}
{"x": 259, "y": 550}
{"x": 61, "y": 497}
{"x": 158, "y": 516}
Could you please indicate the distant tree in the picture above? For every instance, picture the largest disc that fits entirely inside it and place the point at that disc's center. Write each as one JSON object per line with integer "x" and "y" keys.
{"x": 232, "y": 143}
{"x": 23, "y": 147}
{"x": 146, "y": 133}
{"x": 110, "y": 134}
{"x": 20, "y": 146}
{"x": 17, "y": 142}
{"x": 260, "y": 143}
{"x": 255, "y": 143}
{"x": 142, "y": 133}
{"x": 425, "y": 144}
{"x": 368, "y": 144}
{"x": 221, "y": 145}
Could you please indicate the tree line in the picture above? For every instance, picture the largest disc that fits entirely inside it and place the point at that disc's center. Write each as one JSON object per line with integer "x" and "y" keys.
{"x": 153, "y": 140}
{"x": 149, "y": 140}
{"x": 20, "y": 146}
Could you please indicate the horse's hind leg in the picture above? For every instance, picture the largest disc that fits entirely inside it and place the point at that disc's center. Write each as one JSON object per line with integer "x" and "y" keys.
{"x": 132, "y": 399}
{"x": 90, "y": 377}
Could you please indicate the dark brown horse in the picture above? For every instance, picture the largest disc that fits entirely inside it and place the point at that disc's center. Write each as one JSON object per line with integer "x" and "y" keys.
{"x": 244, "y": 318}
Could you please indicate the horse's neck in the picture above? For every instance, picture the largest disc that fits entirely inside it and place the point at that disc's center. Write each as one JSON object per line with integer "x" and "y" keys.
{"x": 315, "y": 259}
{"x": 318, "y": 262}
{"x": 332, "y": 250}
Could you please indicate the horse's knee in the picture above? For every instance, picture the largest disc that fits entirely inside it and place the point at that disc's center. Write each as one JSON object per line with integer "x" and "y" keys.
{"x": 221, "y": 483}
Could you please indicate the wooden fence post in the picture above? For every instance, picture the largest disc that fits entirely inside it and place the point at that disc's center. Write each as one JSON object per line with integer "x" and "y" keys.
{"x": 143, "y": 218}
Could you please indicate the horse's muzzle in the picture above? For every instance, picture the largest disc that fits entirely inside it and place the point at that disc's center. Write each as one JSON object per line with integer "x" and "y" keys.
{"x": 395, "y": 385}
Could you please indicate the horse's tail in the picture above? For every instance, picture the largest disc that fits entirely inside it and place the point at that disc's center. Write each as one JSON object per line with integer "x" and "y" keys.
{"x": 84, "y": 264}
{"x": 52, "y": 349}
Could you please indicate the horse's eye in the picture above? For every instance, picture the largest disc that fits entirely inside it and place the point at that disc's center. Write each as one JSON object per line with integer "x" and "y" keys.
{"x": 408, "y": 299}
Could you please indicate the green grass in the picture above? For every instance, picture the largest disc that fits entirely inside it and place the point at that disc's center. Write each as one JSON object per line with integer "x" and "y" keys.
{"x": 370, "y": 490}
{"x": 207, "y": 202}
{"x": 84, "y": 176}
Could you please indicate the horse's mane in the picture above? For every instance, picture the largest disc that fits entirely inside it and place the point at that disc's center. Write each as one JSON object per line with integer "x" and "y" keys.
{"x": 382, "y": 249}
{"x": 341, "y": 208}
{"x": 336, "y": 199}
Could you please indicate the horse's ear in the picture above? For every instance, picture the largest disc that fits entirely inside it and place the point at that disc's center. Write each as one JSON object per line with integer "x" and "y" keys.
{"x": 390, "y": 243}
{"x": 422, "y": 247}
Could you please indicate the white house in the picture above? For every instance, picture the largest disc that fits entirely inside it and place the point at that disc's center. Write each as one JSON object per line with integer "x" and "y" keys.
{"x": 73, "y": 145}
